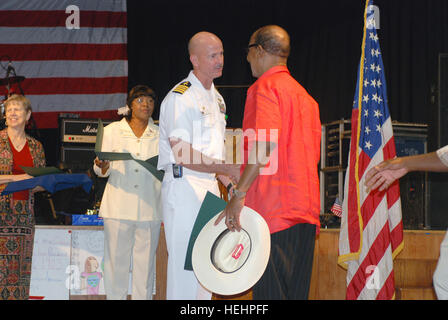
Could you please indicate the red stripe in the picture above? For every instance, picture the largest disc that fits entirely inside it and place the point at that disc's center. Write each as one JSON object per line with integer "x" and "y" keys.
{"x": 389, "y": 149}
{"x": 375, "y": 197}
{"x": 393, "y": 192}
{"x": 388, "y": 153}
{"x": 371, "y": 202}
{"x": 65, "y": 51}
{"x": 48, "y": 120}
{"x": 388, "y": 289}
{"x": 354, "y": 232}
{"x": 57, "y": 18}
{"x": 396, "y": 236}
{"x": 75, "y": 85}
{"x": 364, "y": 161}
{"x": 373, "y": 257}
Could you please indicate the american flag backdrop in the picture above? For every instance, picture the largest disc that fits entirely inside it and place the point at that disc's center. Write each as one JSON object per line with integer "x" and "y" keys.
{"x": 371, "y": 233}
{"x": 66, "y": 69}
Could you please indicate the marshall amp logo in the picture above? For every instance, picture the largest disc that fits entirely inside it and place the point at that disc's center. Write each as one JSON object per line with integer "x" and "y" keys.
{"x": 80, "y": 130}
{"x": 90, "y": 129}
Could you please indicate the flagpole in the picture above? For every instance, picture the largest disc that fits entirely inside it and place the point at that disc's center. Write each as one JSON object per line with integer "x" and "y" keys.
{"x": 360, "y": 95}
{"x": 368, "y": 246}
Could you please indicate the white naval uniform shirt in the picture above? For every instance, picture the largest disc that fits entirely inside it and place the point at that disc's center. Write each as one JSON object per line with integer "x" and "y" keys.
{"x": 132, "y": 192}
{"x": 196, "y": 116}
{"x": 442, "y": 153}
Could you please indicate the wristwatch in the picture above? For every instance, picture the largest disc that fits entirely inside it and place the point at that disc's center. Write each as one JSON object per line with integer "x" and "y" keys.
{"x": 229, "y": 188}
{"x": 237, "y": 193}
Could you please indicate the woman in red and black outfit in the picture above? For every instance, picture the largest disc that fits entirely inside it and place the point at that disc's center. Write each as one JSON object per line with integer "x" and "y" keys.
{"x": 16, "y": 210}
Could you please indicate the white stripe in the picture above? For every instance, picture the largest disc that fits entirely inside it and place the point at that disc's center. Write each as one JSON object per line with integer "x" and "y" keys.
{"x": 377, "y": 221}
{"x": 344, "y": 247}
{"x": 77, "y": 102}
{"x": 379, "y": 218}
{"x": 51, "y": 35}
{"x": 89, "y": 5}
{"x": 371, "y": 231}
{"x": 395, "y": 214}
{"x": 385, "y": 267}
{"x": 377, "y": 158}
{"x": 71, "y": 69}
{"x": 387, "y": 130}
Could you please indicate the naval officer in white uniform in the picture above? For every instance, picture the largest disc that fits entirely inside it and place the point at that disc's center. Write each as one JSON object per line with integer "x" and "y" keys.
{"x": 191, "y": 152}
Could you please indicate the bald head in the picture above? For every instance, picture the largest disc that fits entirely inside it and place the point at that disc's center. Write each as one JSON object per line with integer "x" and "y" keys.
{"x": 201, "y": 40}
{"x": 206, "y": 56}
{"x": 273, "y": 39}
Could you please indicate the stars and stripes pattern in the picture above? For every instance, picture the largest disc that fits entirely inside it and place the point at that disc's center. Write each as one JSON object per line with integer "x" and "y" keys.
{"x": 82, "y": 70}
{"x": 371, "y": 232}
{"x": 336, "y": 209}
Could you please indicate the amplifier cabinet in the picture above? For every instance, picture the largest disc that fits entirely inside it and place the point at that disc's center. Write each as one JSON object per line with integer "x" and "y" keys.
{"x": 78, "y": 158}
{"x": 79, "y": 130}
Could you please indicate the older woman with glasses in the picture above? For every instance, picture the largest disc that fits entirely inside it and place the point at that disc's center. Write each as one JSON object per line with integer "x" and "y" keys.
{"x": 16, "y": 210}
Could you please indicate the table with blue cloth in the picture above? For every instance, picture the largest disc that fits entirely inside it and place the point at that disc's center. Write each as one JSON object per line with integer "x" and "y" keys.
{"x": 51, "y": 183}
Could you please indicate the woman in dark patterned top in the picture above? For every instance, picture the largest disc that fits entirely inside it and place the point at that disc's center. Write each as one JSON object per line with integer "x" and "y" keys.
{"x": 16, "y": 210}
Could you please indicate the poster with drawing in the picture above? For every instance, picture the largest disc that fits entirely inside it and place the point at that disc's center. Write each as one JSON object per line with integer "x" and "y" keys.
{"x": 68, "y": 262}
{"x": 87, "y": 259}
{"x": 51, "y": 260}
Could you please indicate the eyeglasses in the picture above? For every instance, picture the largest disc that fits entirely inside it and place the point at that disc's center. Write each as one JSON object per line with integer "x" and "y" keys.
{"x": 250, "y": 46}
{"x": 148, "y": 99}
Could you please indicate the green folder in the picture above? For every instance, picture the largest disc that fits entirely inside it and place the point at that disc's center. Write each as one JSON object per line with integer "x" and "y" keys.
{"x": 110, "y": 156}
{"x": 210, "y": 207}
{"x": 35, "y": 172}
{"x": 149, "y": 164}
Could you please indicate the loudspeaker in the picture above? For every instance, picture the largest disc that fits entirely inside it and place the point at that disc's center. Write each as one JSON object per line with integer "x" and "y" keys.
{"x": 78, "y": 159}
{"x": 413, "y": 200}
{"x": 413, "y": 186}
{"x": 443, "y": 100}
{"x": 438, "y": 182}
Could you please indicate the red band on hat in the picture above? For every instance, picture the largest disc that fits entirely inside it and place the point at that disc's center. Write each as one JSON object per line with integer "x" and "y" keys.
{"x": 238, "y": 251}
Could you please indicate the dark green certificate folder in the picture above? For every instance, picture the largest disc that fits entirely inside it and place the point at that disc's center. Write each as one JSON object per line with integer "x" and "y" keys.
{"x": 149, "y": 164}
{"x": 211, "y": 206}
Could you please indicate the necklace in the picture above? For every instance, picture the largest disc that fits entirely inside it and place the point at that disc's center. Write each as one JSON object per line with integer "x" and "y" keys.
{"x": 18, "y": 143}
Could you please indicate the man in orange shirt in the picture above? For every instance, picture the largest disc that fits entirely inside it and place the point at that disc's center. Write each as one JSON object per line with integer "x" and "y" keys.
{"x": 279, "y": 177}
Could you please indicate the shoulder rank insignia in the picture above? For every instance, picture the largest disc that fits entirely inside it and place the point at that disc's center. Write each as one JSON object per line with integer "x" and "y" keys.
{"x": 182, "y": 87}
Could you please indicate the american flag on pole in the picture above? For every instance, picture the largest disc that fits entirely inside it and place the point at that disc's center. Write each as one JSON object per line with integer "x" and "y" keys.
{"x": 73, "y": 55}
{"x": 371, "y": 232}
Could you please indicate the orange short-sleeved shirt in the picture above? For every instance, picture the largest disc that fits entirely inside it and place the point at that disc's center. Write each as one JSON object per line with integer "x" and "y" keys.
{"x": 279, "y": 109}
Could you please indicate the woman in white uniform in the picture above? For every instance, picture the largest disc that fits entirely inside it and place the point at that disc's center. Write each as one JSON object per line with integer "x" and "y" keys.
{"x": 131, "y": 206}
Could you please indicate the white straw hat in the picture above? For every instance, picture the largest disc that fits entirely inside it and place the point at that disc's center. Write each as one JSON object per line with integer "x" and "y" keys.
{"x": 227, "y": 262}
